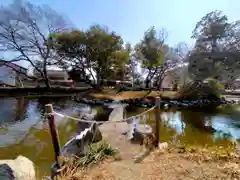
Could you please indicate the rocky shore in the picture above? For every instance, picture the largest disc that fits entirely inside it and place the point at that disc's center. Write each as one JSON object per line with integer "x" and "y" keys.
{"x": 150, "y": 102}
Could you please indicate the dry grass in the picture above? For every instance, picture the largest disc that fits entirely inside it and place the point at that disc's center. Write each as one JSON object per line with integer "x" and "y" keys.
{"x": 131, "y": 94}
{"x": 97, "y": 152}
{"x": 173, "y": 164}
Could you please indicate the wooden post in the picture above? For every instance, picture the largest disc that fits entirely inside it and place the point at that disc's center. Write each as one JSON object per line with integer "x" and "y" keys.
{"x": 53, "y": 130}
{"x": 157, "y": 120}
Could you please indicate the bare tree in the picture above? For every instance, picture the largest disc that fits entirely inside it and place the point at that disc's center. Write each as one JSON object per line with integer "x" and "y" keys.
{"x": 163, "y": 71}
{"x": 24, "y": 32}
{"x": 182, "y": 50}
{"x": 174, "y": 59}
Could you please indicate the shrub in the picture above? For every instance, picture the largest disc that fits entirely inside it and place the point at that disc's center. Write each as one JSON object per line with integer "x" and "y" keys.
{"x": 209, "y": 89}
{"x": 97, "y": 152}
{"x": 216, "y": 86}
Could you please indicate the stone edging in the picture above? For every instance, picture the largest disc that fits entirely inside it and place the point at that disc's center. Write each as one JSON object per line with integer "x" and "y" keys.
{"x": 163, "y": 104}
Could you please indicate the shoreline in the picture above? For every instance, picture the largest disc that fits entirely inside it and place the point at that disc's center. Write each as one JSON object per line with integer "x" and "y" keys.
{"x": 132, "y": 98}
{"x": 29, "y": 91}
{"x": 175, "y": 162}
{"x": 165, "y": 104}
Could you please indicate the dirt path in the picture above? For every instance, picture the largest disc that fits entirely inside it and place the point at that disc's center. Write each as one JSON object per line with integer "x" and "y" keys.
{"x": 165, "y": 166}
{"x": 113, "y": 134}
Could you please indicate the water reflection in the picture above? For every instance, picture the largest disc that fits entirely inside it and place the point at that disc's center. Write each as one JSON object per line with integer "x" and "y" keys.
{"x": 226, "y": 127}
{"x": 173, "y": 119}
{"x": 25, "y": 117}
{"x": 213, "y": 126}
{"x": 12, "y": 110}
{"x": 199, "y": 127}
{"x": 24, "y": 131}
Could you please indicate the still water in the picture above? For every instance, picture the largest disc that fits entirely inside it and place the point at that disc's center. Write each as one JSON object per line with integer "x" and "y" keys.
{"x": 24, "y": 131}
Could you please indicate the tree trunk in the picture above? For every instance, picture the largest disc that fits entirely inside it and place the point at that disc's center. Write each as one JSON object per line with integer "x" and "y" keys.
{"x": 159, "y": 83}
{"x": 147, "y": 83}
{"x": 89, "y": 82}
{"x": 46, "y": 80}
{"x": 98, "y": 86}
{"x": 175, "y": 87}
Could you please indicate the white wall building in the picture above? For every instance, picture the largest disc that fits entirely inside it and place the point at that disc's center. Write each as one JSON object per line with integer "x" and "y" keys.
{"x": 54, "y": 75}
{"x": 8, "y": 74}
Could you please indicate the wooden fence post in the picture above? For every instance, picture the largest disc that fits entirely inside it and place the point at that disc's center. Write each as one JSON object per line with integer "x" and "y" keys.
{"x": 53, "y": 130}
{"x": 157, "y": 120}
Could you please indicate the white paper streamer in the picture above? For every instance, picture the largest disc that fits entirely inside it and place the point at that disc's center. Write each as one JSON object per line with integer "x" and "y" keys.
{"x": 145, "y": 119}
{"x": 148, "y": 129}
{"x": 134, "y": 125}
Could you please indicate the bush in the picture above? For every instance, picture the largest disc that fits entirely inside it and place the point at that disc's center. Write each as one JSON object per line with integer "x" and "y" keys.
{"x": 210, "y": 89}
{"x": 97, "y": 152}
{"x": 216, "y": 86}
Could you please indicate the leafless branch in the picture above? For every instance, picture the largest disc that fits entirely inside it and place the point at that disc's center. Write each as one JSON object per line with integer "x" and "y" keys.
{"x": 162, "y": 36}
{"x": 24, "y": 31}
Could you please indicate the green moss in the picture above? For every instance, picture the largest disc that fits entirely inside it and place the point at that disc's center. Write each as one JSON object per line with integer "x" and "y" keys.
{"x": 100, "y": 111}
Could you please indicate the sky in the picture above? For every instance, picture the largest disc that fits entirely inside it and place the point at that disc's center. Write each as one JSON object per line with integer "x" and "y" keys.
{"x": 130, "y": 18}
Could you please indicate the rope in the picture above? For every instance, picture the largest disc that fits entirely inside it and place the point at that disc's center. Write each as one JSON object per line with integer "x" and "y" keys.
{"x": 106, "y": 122}
{"x": 145, "y": 112}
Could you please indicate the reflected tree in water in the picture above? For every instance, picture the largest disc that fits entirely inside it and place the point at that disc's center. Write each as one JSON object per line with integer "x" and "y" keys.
{"x": 21, "y": 108}
{"x": 196, "y": 131}
{"x": 13, "y": 109}
{"x": 58, "y": 103}
{"x": 197, "y": 120}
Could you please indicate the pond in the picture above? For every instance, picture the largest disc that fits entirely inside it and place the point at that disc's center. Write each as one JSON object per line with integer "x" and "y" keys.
{"x": 24, "y": 131}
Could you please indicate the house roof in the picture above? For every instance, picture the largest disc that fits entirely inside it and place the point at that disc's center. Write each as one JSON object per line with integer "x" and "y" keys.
{"x": 11, "y": 64}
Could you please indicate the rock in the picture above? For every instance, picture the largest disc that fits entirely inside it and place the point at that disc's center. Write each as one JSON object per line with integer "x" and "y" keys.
{"x": 78, "y": 145}
{"x": 81, "y": 126}
{"x": 137, "y": 137}
{"x": 236, "y": 144}
{"x": 150, "y": 102}
{"x": 166, "y": 106}
{"x": 163, "y": 145}
{"x": 138, "y": 133}
{"x": 20, "y": 168}
{"x": 89, "y": 116}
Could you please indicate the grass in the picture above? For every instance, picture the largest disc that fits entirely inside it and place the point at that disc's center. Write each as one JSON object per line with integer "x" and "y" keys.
{"x": 208, "y": 152}
{"x": 96, "y": 153}
{"x": 100, "y": 111}
{"x": 113, "y": 95}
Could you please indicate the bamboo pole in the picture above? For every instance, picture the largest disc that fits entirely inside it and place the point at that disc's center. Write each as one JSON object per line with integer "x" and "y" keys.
{"x": 157, "y": 121}
{"x": 53, "y": 130}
